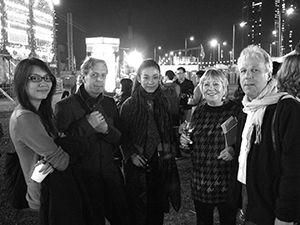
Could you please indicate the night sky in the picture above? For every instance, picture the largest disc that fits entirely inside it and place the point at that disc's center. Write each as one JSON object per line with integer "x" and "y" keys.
{"x": 164, "y": 23}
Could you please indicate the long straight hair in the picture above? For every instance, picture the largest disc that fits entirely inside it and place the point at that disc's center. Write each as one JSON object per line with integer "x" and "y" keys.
{"x": 145, "y": 64}
{"x": 21, "y": 74}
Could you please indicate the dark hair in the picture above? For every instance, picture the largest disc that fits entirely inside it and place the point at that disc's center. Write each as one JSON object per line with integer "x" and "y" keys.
{"x": 289, "y": 75}
{"x": 181, "y": 68}
{"x": 22, "y": 71}
{"x": 170, "y": 74}
{"x": 276, "y": 67}
{"x": 145, "y": 64}
{"x": 126, "y": 85}
{"x": 199, "y": 73}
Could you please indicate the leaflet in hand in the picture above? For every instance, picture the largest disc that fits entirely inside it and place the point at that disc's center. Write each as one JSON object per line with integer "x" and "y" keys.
{"x": 229, "y": 128}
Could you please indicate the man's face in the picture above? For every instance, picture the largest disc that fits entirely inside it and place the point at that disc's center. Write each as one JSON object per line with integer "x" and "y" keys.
{"x": 180, "y": 74}
{"x": 94, "y": 81}
{"x": 254, "y": 76}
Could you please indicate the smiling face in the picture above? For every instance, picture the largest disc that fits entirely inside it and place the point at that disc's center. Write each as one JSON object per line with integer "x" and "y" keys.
{"x": 149, "y": 79}
{"x": 254, "y": 76}
{"x": 37, "y": 91}
{"x": 213, "y": 91}
{"x": 94, "y": 80}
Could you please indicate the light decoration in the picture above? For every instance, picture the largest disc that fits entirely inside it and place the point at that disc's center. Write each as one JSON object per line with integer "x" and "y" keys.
{"x": 28, "y": 28}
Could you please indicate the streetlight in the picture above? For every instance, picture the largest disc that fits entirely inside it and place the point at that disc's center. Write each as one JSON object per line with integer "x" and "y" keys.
{"x": 154, "y": 54}
{"x": 242, "y": 24}
{"x": 213, "y": 44}
{"x": 186, "y": 43}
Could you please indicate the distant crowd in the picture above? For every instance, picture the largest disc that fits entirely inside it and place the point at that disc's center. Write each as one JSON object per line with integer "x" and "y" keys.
{"x": 115, "y": 158}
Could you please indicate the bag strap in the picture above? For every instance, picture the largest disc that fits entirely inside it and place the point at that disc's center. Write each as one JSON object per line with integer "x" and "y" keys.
{"x": 82, "y": 103}
{"x": 274, "y": 136}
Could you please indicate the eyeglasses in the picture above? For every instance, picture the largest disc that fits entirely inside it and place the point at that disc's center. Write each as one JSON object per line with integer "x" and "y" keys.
{"x": 37, "y": 78}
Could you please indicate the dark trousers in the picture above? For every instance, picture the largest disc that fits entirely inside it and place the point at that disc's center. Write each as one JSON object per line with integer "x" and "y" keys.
{"x": 205, "y": 211}
{"x": 116, "y": 205}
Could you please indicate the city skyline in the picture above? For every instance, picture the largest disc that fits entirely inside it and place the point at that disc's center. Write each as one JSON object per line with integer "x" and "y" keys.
{"x": 154, "y": 24}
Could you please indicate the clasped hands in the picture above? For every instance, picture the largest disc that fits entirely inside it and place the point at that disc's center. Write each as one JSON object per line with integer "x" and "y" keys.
{"x": 97, "y": 121}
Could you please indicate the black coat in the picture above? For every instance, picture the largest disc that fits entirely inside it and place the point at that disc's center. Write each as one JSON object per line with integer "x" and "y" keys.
{"x": 273, "y": 178}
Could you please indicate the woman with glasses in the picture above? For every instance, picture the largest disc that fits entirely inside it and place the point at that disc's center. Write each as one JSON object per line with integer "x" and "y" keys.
{"x": 32, "y": 127}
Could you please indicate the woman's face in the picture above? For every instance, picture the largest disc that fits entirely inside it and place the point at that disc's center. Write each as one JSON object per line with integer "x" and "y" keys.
{"x": 213, "y": 91}
{"x": 149, "y": 79}
{"x": 39, "y": 85}
{"x": 254, "y": 76}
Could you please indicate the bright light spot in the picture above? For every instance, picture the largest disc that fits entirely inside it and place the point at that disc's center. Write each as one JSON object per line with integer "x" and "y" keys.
{"x": 192, "y": 38}
{"x": 171, "y": 53}
{"x": 290, "y": 11}
{"x": 213, "y": 43}
{"x": 159, "y": 47}
{"x": 242, "y": 24}
{"x": 274, "y": 32}
{"x": 135, "y": 59}
{"x": 56, "y": 2}
{"x": 224, "y": 43}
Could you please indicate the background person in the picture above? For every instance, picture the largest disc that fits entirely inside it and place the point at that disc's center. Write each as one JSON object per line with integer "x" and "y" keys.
{"x": 172, "y": 91}
{"x": 92, "y": 114}
{"x": 186, "y": 90}
{"x": 148, "y": 151}
{"x": 289, "y": 74}
{"x": 267, "y": 179}
{"x": 31, "y": 125}
{"x": 126, "y": 89}
{"x": 211, "y": 159}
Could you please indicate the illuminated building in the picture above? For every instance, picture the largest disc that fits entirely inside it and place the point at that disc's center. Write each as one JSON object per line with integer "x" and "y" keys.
{"x": 27, "y": 28}
{"x": 269, "y": 26}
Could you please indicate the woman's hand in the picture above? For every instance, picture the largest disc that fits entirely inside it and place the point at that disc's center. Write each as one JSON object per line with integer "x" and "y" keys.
{"x": 185, "y": 140}
{"x": 227, "y": 154}
{"x": 139, "y": 160}
{"x": 47, "y": 167}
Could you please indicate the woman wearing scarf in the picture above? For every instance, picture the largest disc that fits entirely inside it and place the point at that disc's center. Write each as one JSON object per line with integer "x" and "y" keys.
{"x": 148, "y": 153}
{"x": 211, "y": 159}
{"x": 268, "y": 178}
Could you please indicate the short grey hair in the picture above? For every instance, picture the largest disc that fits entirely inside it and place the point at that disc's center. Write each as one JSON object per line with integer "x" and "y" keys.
{"x": 254, "y": 51}
{"x": 89, "y": 63}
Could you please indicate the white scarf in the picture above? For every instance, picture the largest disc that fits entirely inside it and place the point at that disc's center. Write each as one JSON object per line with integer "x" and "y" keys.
{"x": 255, "y": 111}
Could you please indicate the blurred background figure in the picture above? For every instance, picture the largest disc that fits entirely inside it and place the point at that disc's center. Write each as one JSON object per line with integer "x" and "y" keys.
{"x": 76, "y": 86}
{"x": 289, "y": 74}
{"x": 172, "y": 91}
{"x": 186, "y": 90}
{"x": 126, "y": 88}
{"x": 196, "y": 98}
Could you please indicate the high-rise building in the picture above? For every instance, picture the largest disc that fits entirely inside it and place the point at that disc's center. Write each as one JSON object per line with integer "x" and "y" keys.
{"x": 269, "y": 25}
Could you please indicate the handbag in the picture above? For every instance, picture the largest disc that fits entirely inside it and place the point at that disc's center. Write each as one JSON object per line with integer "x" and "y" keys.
{"x": 172, "y": 184}
{"x": 14, "y": 181}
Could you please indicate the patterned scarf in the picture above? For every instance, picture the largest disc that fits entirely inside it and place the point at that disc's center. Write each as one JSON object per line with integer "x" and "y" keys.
{"x": 255, "y": 111}
{"x": 150, "y": 121}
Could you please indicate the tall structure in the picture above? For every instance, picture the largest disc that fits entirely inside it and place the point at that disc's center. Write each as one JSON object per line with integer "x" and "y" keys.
{"x": 268, "y": 25}
{"x": 70, "y": 43}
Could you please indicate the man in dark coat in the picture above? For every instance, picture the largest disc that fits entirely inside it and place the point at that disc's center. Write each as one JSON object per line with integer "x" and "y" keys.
{"x": 92, "y": 114}
{"x": 187, "y": 88}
